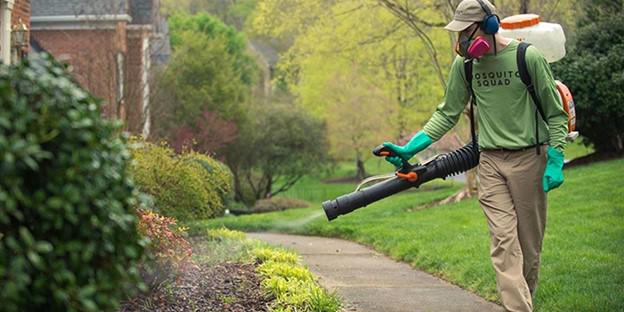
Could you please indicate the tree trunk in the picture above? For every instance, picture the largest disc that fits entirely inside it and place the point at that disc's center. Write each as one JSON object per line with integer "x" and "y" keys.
{"x": 268, "y": 187}
{"x": 238, "y": 190}
{"x": 361, "y": 171}
{"x": 618, "y": 143}
{"x": 524, "y": 6}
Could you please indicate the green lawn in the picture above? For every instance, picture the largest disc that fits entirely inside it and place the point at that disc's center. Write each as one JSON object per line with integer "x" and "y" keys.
{"x": 582, "y": 266}
{"x": 576, "y": 149}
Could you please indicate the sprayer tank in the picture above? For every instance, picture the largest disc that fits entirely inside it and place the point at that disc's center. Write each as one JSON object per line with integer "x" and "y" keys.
{"x": 549, "y": 38}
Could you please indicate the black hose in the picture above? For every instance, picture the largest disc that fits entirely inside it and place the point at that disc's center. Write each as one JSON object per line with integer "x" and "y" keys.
{"x": 442, "y": 166}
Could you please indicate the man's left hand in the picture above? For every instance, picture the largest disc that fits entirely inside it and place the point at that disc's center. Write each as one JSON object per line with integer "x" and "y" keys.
{"x": 553, "y": 175}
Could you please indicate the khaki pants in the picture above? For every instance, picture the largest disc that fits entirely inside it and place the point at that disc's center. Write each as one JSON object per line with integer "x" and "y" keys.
{"x": 511, "y": 195}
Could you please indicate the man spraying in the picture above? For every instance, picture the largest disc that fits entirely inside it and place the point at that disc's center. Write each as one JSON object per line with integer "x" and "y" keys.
{"x": 521, "y": 143}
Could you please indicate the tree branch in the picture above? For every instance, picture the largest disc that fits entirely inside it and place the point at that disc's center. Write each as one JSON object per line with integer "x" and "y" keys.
{"x": 288, "y": 184}
{"x": 413, "y": 22}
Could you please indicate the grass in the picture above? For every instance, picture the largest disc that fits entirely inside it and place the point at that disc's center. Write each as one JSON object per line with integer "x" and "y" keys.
{"x": 576, "y": 149}
{"x": 583, "y": 248}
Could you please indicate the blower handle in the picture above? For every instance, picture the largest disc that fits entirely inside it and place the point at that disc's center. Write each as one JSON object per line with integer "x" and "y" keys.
{"x": 405, "y": 171}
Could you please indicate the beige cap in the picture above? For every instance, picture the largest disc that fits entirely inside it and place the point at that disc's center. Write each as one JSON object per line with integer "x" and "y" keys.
{"x": 467, "y": 13}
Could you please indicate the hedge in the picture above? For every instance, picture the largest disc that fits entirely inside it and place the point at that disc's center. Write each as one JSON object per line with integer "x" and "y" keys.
{"x": 68, "y": 239}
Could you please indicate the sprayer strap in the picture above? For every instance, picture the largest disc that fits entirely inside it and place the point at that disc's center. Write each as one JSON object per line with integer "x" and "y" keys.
{"x": 473, "y": 99}
{"x": 523, "y": 70}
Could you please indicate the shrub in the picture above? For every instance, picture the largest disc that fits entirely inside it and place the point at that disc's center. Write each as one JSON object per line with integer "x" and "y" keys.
{"x": 180, "y": 188}
{"x": 292, "y": 285}
{"x": 208, "y": 134}
{"x": 269, "y": 254}
{"x": 281, "y": 145}
{"x": 594, "y": 71}
{"x": 224, "y": 233}
{"x": 278, "y": 203}
{"x": 217, "y": 175}
{"x": 69, "y": 239}
{"x": 169, "y": 250}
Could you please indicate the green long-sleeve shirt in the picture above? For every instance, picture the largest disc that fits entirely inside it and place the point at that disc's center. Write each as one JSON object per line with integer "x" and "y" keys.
{"x": 505, "y": 110}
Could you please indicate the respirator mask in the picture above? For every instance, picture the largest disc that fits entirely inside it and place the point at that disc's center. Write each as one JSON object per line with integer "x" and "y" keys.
{"x": 471, "y": 48}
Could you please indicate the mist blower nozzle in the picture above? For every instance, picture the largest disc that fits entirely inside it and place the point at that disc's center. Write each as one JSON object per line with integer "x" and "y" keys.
{"x": 442, "y": 166}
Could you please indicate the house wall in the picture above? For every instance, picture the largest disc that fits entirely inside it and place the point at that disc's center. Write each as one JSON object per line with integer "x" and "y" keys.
{"x": 110, "y": 56}
{"x": 92, "y": 55}
{"x": 137, "y": 86}
{"x": 21, "y": 9}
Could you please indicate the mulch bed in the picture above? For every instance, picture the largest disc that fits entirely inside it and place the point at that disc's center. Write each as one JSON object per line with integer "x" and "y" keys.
{"x": 232, "y": 287}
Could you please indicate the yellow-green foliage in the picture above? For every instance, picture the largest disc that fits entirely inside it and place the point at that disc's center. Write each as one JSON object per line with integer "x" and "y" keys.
{"x": 285, "y": 270}
{"x": 292, "y": 285}
{"x": 283, "y": 277}
{"x": 180, "y": 188}
{"x": 224, "y": 233}
{"x": 268, "y": 254}
{"x": 217, "y": 174}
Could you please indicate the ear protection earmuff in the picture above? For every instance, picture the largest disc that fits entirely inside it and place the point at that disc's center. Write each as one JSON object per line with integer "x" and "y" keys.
{"x": 491, "y": 22}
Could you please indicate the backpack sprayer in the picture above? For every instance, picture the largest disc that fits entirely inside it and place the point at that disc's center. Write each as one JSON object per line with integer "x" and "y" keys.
{"x": 408, "y": 176}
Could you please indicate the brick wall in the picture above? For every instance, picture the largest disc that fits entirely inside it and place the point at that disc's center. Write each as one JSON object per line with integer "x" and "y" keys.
{"x": 134, "y": 92}
{"x": 21, "y": 10}
{"x": 92, "y": 56}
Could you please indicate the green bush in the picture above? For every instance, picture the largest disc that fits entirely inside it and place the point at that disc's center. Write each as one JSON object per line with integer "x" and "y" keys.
{"x": 68, "y": 232}
{"x": 187, "y": 187}
{"x": 594, "y": 71}
{"x": 216, "y": 174}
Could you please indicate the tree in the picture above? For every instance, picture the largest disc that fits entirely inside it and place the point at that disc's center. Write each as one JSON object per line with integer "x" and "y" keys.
{"x": 276, "y": 149}
{"x": 210, "y": 71}
{"x": 407, "y": 12}
{"x": 214, "y": 29}
{"x": 339, "y": 34}
{"x": 209, "y": 134}
{"x": 201, "y": 77}
{"x": 357, "y": 117}
{"x": 594, "y": 71}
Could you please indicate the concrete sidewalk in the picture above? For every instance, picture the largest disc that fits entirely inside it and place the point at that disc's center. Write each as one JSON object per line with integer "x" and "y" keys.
{"x": 371, "y": 282}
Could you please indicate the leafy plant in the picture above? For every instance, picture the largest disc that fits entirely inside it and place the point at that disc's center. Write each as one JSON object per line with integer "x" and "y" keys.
{"x": 277, "y": 149}
{"x": 216, "y": 174}
{"x": 69, "y": 239}
{"x": 224, "y": 233}
{"x": 209, "y": 134}
{"x": 217, "y": 79}
{"x": 594, "y": 72}
{"x": 170, "y": 251}
{"x": 292, "y": 285}
{"x": 188, "y": 186}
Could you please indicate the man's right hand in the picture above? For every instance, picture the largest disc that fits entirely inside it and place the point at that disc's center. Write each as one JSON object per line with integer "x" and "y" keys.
{"x": 419, "y": 142}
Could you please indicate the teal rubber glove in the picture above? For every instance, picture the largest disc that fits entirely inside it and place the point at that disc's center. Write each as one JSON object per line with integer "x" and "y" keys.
{"x": 419, "y": 142}
{"x": 553, "y": 175}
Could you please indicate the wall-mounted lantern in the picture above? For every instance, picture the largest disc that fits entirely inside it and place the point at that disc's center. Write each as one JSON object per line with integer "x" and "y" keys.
{"x": 19, "y": 40}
